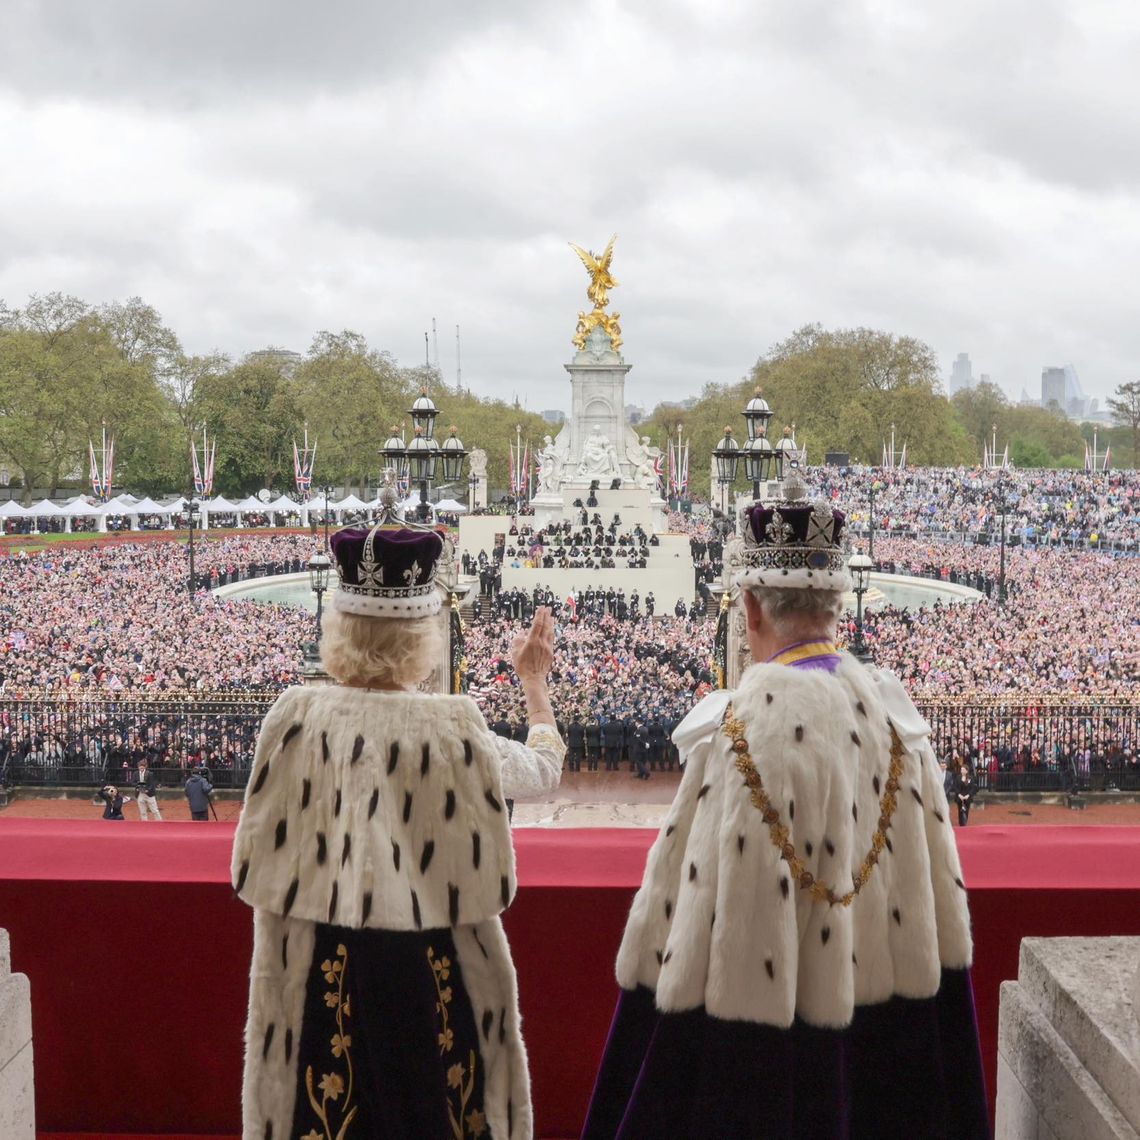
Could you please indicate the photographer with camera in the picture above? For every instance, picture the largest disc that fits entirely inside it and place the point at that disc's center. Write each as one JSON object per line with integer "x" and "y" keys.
{"x": 198, "y": 790}
{"x": 112, "y": 802}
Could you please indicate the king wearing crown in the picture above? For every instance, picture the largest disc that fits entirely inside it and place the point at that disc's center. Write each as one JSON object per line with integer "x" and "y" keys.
{"x": 796, "y": 961}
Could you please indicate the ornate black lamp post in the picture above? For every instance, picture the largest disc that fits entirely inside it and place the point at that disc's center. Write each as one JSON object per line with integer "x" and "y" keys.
{"x": 422, "y": 452}
{"x": 319, "y": 567}
{"x": 860, "y": 567}
{"x": 192, "y": 516}
{"x": 727, "y": 458}
{"x": 875, "y": 485}
{"x": 1003, "y": 492}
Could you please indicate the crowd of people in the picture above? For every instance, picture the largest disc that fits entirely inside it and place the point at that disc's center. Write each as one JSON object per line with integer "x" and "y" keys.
{"x": 116, "y": 620}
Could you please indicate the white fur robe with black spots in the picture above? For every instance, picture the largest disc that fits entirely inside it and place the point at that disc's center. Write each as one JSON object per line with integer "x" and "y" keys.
{"x": 386, "y": 811}
{"x": 718, "y": 920}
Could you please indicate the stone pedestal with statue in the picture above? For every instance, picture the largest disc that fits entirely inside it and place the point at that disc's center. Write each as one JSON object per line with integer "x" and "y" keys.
{"x": 596, "y": 464}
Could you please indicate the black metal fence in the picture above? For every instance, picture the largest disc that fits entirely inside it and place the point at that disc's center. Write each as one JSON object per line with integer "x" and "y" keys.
{"x": 1042, "y": 744}
{"x": 89, "y": 743}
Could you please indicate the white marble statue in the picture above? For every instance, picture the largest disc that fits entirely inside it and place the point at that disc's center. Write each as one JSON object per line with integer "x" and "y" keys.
{"x": 477, "y": 460}
{"x": 549, "y": 467}
{"x": 644, "y": 472}
{"x": 598, "y": 456}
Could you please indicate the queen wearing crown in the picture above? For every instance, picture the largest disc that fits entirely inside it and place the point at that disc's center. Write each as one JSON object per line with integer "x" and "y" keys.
{"x": 375, "y": 849}
{"x": 795, "y": 963}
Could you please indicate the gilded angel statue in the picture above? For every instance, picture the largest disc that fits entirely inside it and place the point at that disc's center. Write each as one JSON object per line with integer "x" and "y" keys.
{"x": 601, "y": 280}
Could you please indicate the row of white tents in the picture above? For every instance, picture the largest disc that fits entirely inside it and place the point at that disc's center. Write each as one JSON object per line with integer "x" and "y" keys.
{"x": 278, "y": 510}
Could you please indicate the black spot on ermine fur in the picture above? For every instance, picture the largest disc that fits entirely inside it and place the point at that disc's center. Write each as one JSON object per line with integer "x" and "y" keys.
{"x": 290, "y": 896}
{"x": 768, "y": 697}
{"x": 468, "y": 753}
{"x": 489, "y": 796}
{"x": 692, "y": 871}
{"x": 357, "y": 749}
{"x": 396, "y": 854}
{"x": 784, "y": 887}
{"x": 279, "y": 836}
{"x": 825, "y": 934}
{"x": 366, "y": 907}
{"x": 426, "y": 854}
{"x": 393, "y": 757}
{"x": 336, "y": 804}
{"x": 453, "y": 904}
{"x": 407, "y": 806}
{"x": 373, "y": 800}
{"x": 704, "y": 789}
{"x": 416, "y": 911}
{"x": 259, "y": 783}
{"x": 896, "y": 916}
{"x": 268, "y": 1041}
{"x": 914, "y": 792}
{"x": 799, "y": 732}
{"x": 449, "y": 804}
{"x": 324, "y": 747}
{"x": 740, "y": 844}
{"x": 875, "y": 784}
{"x": 829, "y": 846}
{"x": 488, "y": 1021}
{"x": 288, "y": 1045}
{"x": 333, "y": 900}
{"x": 861, "y": 707}
{"x": 306, "y": 793}
{"x": 242, "y": 874}
{"x": 290, "y": 733}
{"x": 476, "y": 849}
{"x": 808, "y": 847}
{"x": 425, "y": 760}
{"x": 322, "y": 848}
{"x": 769, "y": 967}
{"x": 346, "y": 850}
{"x": 504, "y": 890}
{"x": 285, "y": 952}
{"x": 791, "y": 809}
{"x": 855, "y": 740}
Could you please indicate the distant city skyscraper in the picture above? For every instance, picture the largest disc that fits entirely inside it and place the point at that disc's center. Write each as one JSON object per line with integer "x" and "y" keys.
{"x": 961, "y": 374}
{"x": 1053, "y": 387}
{"x": 1062, "y": 386}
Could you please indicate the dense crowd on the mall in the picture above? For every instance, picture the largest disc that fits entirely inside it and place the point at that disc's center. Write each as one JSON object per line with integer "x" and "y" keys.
{"x": 116, "y": 620}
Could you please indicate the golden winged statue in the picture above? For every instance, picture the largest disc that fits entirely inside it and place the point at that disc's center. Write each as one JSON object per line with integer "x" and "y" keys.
{"x": 601, "y": 282}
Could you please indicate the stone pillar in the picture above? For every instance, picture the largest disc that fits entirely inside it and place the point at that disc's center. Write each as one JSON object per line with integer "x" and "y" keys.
{"x": 17, "y": 1106}
{"x": 1069, "y": 1042}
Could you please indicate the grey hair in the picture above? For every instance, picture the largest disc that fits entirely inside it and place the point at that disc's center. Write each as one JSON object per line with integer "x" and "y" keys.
{"x": 789, "y": 608}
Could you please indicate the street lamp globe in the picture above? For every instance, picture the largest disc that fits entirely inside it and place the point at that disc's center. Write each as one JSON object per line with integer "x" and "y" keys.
{"x": 421, "y": 455}
{"x": 423, "y": 413}
{"x": 453, "y": 453}
{"x": 860, "y": 566}
{"x": 727, "y": 458}
{"x": 319, "y": 567}
{"x": 756, "y": 415}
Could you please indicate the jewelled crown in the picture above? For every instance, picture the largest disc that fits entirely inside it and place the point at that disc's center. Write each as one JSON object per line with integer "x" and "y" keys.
{"x": 386, "y": 572}
{"x": 796, "y": 544}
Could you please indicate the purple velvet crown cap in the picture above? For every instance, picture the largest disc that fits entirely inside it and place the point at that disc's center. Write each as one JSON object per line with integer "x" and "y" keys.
{"x": 798, "y": 517}
{"x": 386, "y": 572}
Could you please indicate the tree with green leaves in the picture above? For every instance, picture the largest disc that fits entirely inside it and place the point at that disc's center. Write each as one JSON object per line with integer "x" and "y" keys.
{"x": 63, "y": 374}
{"x": 1124, "y": 404}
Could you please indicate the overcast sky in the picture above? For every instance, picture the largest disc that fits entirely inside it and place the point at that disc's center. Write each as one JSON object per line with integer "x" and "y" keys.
{"x": 963, "y": 171}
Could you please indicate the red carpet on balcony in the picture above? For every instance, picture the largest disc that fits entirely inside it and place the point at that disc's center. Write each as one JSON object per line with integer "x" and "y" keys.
{"x": 138, "y": 954}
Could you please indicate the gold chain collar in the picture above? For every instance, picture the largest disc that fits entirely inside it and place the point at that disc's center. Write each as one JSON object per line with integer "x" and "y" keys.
{"x": 781, "y": 835}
